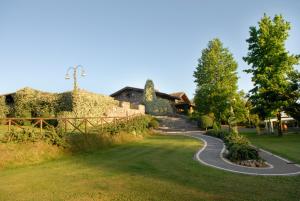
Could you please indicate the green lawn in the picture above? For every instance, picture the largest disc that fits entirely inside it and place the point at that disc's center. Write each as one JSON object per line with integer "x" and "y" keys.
{"x": 287, "y": 146}
{"x": 156, "y": 168}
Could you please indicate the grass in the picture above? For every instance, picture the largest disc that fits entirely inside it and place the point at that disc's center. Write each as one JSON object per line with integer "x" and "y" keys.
{"x": 287, "y": 146}
{"x": 156, "y": 168}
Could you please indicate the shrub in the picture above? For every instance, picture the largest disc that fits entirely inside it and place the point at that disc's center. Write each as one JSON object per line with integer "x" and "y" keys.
{"x": 206, "y": 121}
{"x": 153, "y": 123}
{"x": 136, "y": 125}
{"x": 238, "y": 146}
{"x": 24, "y": 135}
{"x": 218, "y": 133}
{"x": 50, "y": 135}
{"x": 241, "y": 152}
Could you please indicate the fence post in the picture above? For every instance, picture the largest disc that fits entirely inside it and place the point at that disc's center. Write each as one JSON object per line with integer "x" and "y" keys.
{"x": 9, "y": 125}
{"x": 66, "y": 128}
{"x": 85, "y": 125}
{"x": 41, "y": 126}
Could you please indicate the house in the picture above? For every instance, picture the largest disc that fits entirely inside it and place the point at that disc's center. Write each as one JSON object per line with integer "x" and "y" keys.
{"x": 183, "y": 103}
{"x": 179, "y": 100}
{"x": 135, "y": 95}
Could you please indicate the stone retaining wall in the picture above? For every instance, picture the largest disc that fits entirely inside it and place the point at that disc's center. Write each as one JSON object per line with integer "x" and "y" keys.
{"x": 124, "y": 109}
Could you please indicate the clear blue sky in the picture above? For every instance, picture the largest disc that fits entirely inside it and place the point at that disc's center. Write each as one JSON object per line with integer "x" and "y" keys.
{"x": 123, "y": 43}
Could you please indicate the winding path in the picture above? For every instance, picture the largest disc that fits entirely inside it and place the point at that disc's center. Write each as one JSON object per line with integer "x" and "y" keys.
{"x": 211, "y": 154}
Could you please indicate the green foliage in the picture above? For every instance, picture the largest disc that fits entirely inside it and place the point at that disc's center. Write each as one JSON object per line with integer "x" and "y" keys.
{"x": 154, "y": 105}
{"x": 24, "y": 135}
{"x": 153, "y": 123}
{"x": 50, "y": 135}
{"x": 206, "y": 121}
{"x": 137, "y": 125}
{"x": 158, "y": 107}
{"x": 54, "y": 136}
{"x": 216, "y": 80}
{"x": 241, "y": 152}
{"x": 238, "y": 146}
{"x": 149, "y": 92}
{"x": 87, "y": 104}
{"x": 3, "y": 108}
{"x": 272, "y": 67}
{"x": 217, "y": 133}
{"x": 32, "y": 103}
{"x": 293, "y": 106}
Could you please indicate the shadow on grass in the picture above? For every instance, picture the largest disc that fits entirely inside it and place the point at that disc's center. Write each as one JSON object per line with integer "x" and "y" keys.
{"x": 170, "y": 158}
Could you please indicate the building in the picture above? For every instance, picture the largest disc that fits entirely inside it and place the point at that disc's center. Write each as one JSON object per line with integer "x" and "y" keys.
{"x": 183, "y": 103}
{"x": 135, "y": 95}
{"x": 179, "y": 101}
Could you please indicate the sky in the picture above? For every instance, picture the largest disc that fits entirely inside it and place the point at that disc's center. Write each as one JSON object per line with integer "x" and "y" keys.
{"x": 123, "y": 43}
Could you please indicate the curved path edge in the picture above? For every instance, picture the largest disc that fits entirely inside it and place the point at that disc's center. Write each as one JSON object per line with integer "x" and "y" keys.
{"x": 211, "y": 154}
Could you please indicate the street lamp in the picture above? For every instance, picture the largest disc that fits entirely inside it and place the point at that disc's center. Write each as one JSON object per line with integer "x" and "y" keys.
{"x": 75, "y": 68}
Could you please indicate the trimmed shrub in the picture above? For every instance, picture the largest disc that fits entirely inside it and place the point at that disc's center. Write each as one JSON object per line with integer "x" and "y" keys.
{"x": 241, "y": 152}
{"x": 206, "y": 121}
{"x": 238, "y": 146}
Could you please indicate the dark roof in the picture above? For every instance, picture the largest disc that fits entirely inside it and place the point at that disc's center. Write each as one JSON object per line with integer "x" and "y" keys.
{"x": 182, "y": 96}
{"x": 159, "y": 94}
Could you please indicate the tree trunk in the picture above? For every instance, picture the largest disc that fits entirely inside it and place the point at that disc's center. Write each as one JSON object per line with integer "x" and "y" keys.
{"x": 279, "y": 124}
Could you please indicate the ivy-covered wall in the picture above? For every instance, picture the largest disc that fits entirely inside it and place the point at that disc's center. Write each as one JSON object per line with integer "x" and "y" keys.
{"x": 28, "y": 102}
{"x": 3, "y": 107}
{"x": 87, "y": 104}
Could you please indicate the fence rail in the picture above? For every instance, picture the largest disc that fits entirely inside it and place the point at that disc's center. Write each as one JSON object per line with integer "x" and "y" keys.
{"x": 80, "y": 124}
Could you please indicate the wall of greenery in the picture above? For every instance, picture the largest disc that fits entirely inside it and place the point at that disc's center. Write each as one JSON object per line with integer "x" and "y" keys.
{"x": 28, "y": 103}
{"x": 3, "y": 107}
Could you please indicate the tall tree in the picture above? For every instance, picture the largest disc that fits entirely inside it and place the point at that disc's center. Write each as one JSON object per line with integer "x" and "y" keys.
{"x": 216, "y": 80}
{"x": 271, "y": 67}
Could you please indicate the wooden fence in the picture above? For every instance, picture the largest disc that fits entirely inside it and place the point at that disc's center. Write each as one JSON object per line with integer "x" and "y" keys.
{"x": 80, "y": 124}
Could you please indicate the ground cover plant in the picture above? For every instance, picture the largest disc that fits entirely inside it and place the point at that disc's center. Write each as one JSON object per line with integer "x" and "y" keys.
{"x": 156, "y": 168}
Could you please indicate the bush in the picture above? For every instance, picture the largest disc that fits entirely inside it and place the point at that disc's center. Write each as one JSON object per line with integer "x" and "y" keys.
{"x": 24, "y": 135}
{"x": 136, "y": 125}
{"x": 238, "y": 146}
{"x": 153, "y": 123}
{"x": 50, "y": 135}
{"x": 206, "y": 121}
{"x": 218, "y": 133}
{"x": 241, "y": 152}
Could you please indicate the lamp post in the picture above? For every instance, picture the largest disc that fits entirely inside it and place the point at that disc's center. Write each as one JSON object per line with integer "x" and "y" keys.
{"x": 75, "y": 69}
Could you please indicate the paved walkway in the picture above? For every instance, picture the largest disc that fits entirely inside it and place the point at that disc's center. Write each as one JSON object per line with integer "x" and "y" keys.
{"x": 211, "y": 154}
